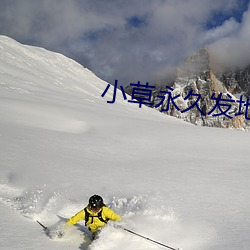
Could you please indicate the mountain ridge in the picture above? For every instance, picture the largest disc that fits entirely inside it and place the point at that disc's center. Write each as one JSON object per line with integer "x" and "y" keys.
{"x": 199, "y": 76}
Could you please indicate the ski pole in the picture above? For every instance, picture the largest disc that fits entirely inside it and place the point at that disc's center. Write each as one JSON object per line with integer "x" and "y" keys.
{"x": 45, "y": 228}
{"x": 146, "y": 238}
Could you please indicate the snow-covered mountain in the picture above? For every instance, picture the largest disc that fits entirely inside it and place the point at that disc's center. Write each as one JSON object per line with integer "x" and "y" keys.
{"x": 200, "y": 77}
{"x": 199, "y": 74}
{"x": 60, "y": 142}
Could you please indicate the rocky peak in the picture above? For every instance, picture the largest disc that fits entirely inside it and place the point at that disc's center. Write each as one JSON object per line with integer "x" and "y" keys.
{"x": 197, "y": 64}
{"x": 198, "y": 74}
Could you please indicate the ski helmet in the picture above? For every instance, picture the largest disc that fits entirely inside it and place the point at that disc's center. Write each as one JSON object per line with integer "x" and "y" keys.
{"x": 95, "y": 202}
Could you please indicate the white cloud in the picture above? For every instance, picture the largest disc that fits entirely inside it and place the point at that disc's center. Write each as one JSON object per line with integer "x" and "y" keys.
{"x": 228, "y": 28}
{"x": 100, "y": 33}
{"x": 233, "y": 50}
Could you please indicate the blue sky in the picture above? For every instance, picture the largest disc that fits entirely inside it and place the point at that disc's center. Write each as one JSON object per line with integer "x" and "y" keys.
{"x": 218, "y": 17}
{"x": 131, "y": 40}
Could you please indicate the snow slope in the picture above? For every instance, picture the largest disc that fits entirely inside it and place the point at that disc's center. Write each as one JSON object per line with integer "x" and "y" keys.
{"x": 61, "y": 142}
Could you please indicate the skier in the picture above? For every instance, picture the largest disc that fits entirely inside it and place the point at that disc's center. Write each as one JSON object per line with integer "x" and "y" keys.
{"x": 95, "y": 214}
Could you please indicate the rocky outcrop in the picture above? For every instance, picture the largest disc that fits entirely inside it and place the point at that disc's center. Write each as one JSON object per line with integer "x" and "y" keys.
{"x": 196, "y": 75}
{"x": 237, "y": 81}
{"x": 196, "y": 79}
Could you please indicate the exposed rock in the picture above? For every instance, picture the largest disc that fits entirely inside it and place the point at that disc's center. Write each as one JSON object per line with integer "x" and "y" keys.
{"x": 196, "y": 78}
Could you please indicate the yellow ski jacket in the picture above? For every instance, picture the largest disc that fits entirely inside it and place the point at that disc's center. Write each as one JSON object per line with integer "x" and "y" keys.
{"x": 94, "y": 223}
